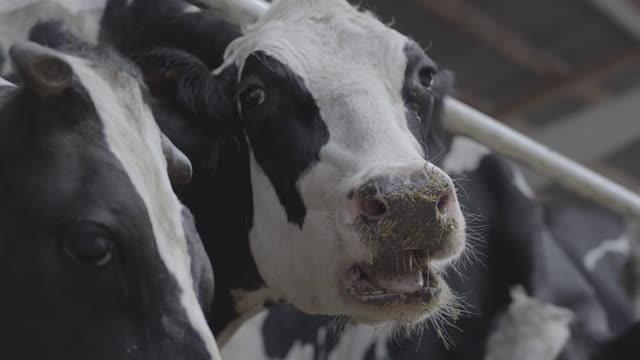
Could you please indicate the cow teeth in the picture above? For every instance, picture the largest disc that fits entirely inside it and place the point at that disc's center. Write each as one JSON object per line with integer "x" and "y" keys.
{"x": 386, "y": 299}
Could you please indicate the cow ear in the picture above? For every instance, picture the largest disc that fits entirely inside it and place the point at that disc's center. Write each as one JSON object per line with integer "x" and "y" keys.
{"x": 164, "y": 69}
{"x": 182, "y": 80}
{"x": 178, "y": 165}
{"x": 42, "y": 70}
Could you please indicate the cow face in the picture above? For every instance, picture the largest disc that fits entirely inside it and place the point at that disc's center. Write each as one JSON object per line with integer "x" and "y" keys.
{"x": 98, "y": 259}
{"x": 350, "y": 216}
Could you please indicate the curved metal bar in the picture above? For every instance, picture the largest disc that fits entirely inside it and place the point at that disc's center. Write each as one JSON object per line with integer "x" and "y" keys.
{"x": 241, "y": 12}
{"x": 463, "y": 120}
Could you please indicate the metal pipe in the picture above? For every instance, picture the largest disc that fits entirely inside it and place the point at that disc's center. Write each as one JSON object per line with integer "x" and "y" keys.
{"x": 461, "y": 119}
{"x": 239, "y": 12}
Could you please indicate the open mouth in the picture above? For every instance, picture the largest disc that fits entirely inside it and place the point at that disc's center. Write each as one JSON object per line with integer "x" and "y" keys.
{"x": 400, "y": 278}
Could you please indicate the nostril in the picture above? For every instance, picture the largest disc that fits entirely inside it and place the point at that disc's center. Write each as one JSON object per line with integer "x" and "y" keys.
{"x": 444, "y": 202}
{"x": 373, "y": 208}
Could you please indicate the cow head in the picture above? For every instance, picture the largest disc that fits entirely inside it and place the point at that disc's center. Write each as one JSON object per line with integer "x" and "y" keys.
{"x": 350, "y": 216}
{"x": 98, "y": 259}
{"x": 349, "y": 213}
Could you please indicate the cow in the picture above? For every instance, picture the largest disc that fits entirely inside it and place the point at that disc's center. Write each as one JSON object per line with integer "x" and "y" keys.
{"x": 98, "y": 258}
{"x": 321, "y": 193}
{"x": 518, "y": 237}
{"x": 566, "y": 253}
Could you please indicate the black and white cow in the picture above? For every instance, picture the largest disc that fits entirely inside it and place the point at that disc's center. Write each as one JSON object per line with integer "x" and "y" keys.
{"x": 333, "y": 53}
{"x": 321, "y": 192}
{"x": 98, "y": 258}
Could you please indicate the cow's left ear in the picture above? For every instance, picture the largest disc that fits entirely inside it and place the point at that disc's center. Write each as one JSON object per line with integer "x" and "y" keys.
{"x": 42, "y": 70}
{"x": 181, "y": 79}
{"x": 170, "y": 72}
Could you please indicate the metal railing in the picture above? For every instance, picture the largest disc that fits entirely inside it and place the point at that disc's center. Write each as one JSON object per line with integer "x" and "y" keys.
{"x": 463, "y": 120}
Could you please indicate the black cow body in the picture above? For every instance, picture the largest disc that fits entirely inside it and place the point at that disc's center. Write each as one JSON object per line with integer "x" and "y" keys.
{"x": 520, "y": 243}
{"x": 83, "y": 260}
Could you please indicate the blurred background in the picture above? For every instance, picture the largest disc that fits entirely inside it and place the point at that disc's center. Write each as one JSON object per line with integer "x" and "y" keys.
{"x": 565, "y": 72}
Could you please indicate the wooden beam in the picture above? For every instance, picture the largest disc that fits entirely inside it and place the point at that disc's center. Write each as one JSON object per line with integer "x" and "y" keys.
{"x": 582, "y": 82}
{"x": 505, "y": 41}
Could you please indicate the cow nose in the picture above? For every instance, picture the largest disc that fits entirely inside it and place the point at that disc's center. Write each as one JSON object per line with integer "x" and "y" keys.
{"x": 407, "y": 209}
{"x": 427, "y": 193}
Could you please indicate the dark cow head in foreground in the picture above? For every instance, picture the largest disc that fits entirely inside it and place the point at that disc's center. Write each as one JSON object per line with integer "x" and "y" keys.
{"x": 347, "y": 215}
{"x": 98, "y": 259}
{"x": 350, "y": 217}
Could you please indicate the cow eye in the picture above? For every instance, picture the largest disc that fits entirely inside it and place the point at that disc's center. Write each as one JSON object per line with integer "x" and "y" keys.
{"x": 426, "y": 76}
{"x": 88, "y": 243}
{"x": 252, "y": 96}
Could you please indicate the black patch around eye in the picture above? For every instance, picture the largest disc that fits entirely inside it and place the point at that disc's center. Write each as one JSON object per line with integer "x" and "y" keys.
{"x": 287, "y": 134}
{"x": 88, "y": 244}
{"x": 423, "y": 94}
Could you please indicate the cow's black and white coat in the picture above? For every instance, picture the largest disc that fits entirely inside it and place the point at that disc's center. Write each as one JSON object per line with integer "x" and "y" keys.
{"x": 299, "y": 48}
{"x": 567, "y": 253}
{"x": 98, "y": 258}
{"x": 301, "y": 138}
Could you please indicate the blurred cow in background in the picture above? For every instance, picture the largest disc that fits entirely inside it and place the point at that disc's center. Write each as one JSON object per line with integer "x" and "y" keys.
{"x": 98, "y": 258}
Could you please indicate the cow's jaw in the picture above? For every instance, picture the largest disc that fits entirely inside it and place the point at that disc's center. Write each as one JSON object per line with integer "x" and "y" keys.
{"x": 290, "y": 257}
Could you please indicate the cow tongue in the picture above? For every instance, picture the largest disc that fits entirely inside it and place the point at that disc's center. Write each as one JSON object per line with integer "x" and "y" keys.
{"x": 404, "y": 283}
{"x": 398, "y": 274}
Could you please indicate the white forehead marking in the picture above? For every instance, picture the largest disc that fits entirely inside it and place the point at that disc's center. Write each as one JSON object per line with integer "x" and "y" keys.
{"x": 134, "y": 138}
{"x": 4, "y": 82}
{"x": 327, "y": 35}
{"x": 352, "y": 64}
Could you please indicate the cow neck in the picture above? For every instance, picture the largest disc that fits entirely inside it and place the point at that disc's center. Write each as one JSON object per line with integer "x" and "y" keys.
{"x": 220, "y": 198}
